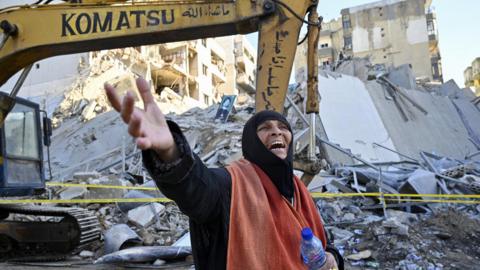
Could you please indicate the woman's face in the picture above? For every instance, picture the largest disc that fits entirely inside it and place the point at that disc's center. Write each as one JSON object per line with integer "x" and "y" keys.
{"x": 276, "y": 137}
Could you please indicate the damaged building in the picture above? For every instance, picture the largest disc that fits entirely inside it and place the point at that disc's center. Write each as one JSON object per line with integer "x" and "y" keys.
{"x": 425, "y": 141}
{"x": 472, "y": 76}
{"x": 199, "y": 70}
{"x": 390, "y": 33}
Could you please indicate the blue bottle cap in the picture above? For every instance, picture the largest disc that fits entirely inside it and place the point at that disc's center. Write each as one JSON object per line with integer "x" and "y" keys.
{"x": 307, "y": 233}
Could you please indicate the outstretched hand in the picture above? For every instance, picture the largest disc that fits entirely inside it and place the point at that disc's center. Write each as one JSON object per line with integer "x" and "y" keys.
{"x": 147, "y": 126}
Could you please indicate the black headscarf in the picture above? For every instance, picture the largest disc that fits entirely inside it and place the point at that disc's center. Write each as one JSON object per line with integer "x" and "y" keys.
{"x": 279, "y": 170}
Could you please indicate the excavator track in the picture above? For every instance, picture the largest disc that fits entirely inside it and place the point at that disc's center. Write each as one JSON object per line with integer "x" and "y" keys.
{"x": 57, "y": 231}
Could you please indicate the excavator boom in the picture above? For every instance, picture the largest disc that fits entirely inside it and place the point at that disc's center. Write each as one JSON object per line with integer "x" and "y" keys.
{"x": 32, "y": 33}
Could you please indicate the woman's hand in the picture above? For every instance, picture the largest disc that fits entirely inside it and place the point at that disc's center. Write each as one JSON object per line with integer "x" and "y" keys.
{"x": 147, "y": 126}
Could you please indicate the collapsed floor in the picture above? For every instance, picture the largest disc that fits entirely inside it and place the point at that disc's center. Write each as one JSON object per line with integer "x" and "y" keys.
{"x": 91, "y": 146}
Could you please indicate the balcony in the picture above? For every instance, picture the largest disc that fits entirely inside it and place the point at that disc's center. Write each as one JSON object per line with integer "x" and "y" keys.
{"x": 431, "y": 16}
{"x": 476, "y": 69}
{"x": 245, "y": 82}
{"x": 325, "y": 52}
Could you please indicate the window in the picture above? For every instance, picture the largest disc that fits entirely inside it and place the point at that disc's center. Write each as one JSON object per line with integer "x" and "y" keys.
{"x": 430, "y": 27}
{"x": 346, "y": 21}
{"x": 347, "y": 43}
{"x": 206, "y": 99}
{"x": 21, "y": 133}
{"x": 204, "y": 42}
{"x": 204, "y": 70}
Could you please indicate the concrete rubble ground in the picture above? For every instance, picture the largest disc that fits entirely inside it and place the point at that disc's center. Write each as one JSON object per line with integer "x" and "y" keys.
{"x": 90, "y": 145}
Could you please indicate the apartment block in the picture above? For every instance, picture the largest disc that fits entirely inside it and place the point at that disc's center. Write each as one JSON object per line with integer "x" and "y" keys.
{"x": 330, "y": 48}
{"x": 330, "y": 43}
{"x": 472, "y": 76}
{"x": 241, "y": 65}
{"x": 394, "y": 32}
{"x": 190, "y": 68}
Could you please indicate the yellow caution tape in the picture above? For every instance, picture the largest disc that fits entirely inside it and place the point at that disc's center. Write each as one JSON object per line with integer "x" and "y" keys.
{"x": 441, "y": 198}
{"x": 150, "y": 200}
{"x": 377, "y": 194}
{"x": 435, "y": 201}
{"x": 72, "y": 201}
{"x": 55, "y": 184}
{"x": 314, "y": 194}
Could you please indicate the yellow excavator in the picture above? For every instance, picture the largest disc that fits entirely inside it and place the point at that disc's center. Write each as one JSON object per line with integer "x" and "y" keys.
{"x": 43, "y": 29}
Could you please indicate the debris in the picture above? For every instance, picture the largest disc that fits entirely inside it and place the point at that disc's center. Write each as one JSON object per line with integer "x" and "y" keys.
{"x": 364, "y": 254}
{"x": 417, "y": 234}
{"x": 86, "y": 254}
{"x": 132, "y": 194}
{"x": 395, "y": 226}
{"x": 145, "y": 254}
{"x": 84, "y": 176}
{"x": 118, "y": 236}
{"x": 73, "y": 193}
{"x": 144, "y": 216}
{"x": 420, "y": 182}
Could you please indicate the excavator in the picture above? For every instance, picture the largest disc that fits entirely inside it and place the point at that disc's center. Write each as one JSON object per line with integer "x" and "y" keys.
{"x": 36, "y": 31}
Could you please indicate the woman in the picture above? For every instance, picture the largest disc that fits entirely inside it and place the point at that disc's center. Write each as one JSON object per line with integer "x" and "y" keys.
{"x": 246, "y": 216}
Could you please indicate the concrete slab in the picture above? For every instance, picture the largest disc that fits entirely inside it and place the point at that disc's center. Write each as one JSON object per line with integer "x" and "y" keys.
{"x": 450, "y": 88}
{"x": 144, "y": 216}
{"x": 420, "y": 182}
{"x": 441, "y": 131}
{"x": 402, "y": 76}
{"x": 350, "y": 118}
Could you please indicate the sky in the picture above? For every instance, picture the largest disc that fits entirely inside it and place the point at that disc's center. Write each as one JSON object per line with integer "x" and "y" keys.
{"x": 458, "y": 31}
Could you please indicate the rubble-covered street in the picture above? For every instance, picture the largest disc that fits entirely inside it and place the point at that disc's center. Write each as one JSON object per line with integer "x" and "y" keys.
{"x": 396, "y": 133}
{"x": 407, "y": 232}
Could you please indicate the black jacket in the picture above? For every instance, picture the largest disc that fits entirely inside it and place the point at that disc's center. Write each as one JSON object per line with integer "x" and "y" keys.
{"x": 201, "y": 193}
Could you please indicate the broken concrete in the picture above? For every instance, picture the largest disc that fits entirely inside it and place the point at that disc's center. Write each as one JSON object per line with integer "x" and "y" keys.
{"x": 145, "y": 215}
{"x": 70, "y": 193}
{"x": 402, "y": 76}
{"x": 120, "y": 235}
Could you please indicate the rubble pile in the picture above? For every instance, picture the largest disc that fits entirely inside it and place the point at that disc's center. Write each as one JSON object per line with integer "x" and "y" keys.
{"x": 106, "y": 156}
{"x": 443, "y": 238}
{"x": 91, "y": 146}
{"x": 368, "y": 239}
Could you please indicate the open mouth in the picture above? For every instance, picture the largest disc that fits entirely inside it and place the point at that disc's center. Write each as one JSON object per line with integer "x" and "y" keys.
{"x": 276, "y": 145}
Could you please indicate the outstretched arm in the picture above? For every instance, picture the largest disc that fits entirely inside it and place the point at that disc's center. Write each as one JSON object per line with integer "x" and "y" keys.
{"x": 178, "y": 173}
{"x": 147, "y": 126}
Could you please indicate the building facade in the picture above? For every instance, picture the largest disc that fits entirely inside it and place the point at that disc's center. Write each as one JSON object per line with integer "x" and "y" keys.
{"x": 190, "y": 68}
{"x": 393, "y": 33}
{"x": 472, "y": 76}
{"x": 241, "y": 65}
{"x": 388, "y": 32}
{"x": 203, "y": 69}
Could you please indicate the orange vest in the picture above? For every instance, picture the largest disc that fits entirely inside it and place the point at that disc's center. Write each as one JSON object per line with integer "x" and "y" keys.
{"x": 265, "y": 229}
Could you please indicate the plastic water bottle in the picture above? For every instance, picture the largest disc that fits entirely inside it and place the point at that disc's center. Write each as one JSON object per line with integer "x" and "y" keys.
{"x": 312, "y": 251}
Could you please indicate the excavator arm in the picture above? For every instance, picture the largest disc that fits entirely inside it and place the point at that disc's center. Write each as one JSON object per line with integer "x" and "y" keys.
{"x": 35, "y": 32}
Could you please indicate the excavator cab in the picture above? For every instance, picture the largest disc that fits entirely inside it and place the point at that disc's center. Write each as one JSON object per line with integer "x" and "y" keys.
{"x": 21, "y": 160}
